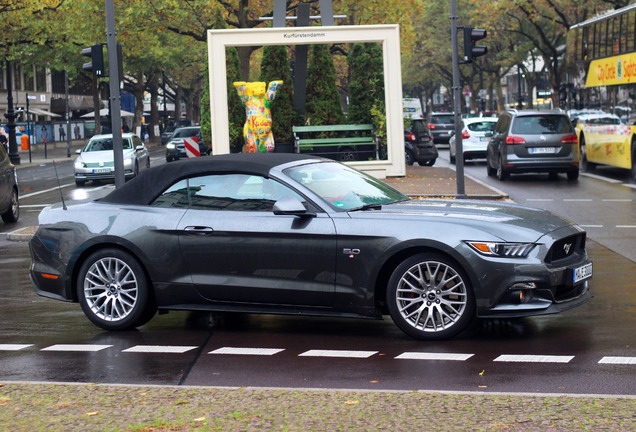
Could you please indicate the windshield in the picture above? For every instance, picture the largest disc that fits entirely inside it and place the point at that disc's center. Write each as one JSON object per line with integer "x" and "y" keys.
{"x": 442, "y": 119}
{"x": 344, "y": 187}
{"x": 185, "y": 133}
{"x": 482, "y": 126}
{"x": 542, "y": 124}
{"x": 104, "y": 144}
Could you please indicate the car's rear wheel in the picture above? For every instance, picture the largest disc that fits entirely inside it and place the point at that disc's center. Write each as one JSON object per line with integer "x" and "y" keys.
{"x": 80, "y": 183}
{"x": 453, "y": 159}
{"x": 13, "y": 212}
{"x": 573, "y": 174}
{"x": 346, "y": 154}
{"x": 502, "y": 174}
{"x": 409, "y": 159}
{"x": 430, "y": 162}
{"x": 113, "y": 290}
{"x": 430, "y": 298}
{"x": 632, "y": 175}
{"x": 586, "y": 165}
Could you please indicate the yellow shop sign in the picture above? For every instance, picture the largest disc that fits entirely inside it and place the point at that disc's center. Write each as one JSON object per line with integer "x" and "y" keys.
{"x": 612, "y": 71}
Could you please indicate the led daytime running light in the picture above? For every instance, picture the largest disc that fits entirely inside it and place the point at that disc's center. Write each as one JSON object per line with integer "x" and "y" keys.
{"x": 504, "y": 250}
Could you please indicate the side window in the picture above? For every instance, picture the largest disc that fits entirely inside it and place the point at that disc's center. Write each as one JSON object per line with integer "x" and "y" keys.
{"x": 176, "y": 196}
{"x": 237, "y": 192}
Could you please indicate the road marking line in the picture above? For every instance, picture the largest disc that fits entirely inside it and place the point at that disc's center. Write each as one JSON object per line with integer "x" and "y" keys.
{"x": 14, "y": 347}
{"x": 247, "y": 351}
{"x": 433, "y": 356}
{"x": 625, "y": 226}
{"x": 34, "y": 205}
{"x": 578, "y": 200}
{"x": 618, "y": 360}
{"x": 533, "y": 358}
{"x": 45, "y": 191}
{"x": 76, "y": 348}
{"x": 338, "y": 353}
{"x": 591, "y": 226}
{"x": 169, "y": 349}
{"x": 618, "y": 200}
{"x": 598, "y": 177}
{"x": 629, "y": 185}
{"x": 540, "y": 199}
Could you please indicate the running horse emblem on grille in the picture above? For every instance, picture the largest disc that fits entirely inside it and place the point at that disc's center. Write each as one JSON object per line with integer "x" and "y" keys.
{"x": 566, "y": 248}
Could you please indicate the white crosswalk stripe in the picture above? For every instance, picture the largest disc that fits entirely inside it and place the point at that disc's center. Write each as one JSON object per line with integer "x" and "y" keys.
{"x": 247, "y": 351}
{"x": 338, "y": 353}
{"x": 433, "y": 356}
{"x": 533, "y": 358}
{"x": 159, "y": 349}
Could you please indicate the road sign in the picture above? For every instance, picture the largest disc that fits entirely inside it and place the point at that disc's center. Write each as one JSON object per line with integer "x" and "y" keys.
{"x": 192, "y": 147}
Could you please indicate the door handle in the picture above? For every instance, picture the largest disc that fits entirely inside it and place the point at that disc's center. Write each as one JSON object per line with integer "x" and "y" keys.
{"x": 198, "y": 230}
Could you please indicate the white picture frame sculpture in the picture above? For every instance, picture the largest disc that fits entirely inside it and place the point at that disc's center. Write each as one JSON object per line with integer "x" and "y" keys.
{"x": 387, "y": 35}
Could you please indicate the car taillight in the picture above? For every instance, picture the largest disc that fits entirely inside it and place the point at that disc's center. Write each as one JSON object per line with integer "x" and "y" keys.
{"x": 412, "y": 137}
{"x": 570, "y": 139}
{"x": 515, "y": 140}
{"x": 430, "y": 126}
{"x": 465, "y": 134}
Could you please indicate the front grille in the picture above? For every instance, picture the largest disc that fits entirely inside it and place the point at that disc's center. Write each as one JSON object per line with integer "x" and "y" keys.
{"x": 566, "y": 247}
{"x": 100, "y": 164}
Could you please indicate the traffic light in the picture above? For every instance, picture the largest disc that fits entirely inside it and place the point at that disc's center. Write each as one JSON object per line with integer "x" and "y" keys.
{"x": 96, "y": 65}
{"x": 471, "y": 50}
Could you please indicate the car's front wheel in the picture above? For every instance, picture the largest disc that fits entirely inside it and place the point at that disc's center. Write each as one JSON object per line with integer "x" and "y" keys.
{"x": 113, "y": 290}
{"x": 13, "y": 212}
{"x": 502, "y": 174}
{"x": 430, "y": 298}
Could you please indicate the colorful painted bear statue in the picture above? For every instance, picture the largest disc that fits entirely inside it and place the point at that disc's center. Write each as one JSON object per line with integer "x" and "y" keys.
{"x": 258, "y": 126}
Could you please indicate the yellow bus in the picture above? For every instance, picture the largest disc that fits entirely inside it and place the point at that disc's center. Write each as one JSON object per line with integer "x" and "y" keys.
{"x": 601, "y": 55}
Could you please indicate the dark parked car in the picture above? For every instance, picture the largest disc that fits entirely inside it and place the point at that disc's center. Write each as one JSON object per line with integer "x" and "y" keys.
{"x": 170, "y": 128}
{"x": 533, "y": 141}
{"x": 418, "y": 144}
{"x": 9, "y": 202}
{"x": 441, "y": 124}
{"x": 297, "y": 234}
{"x": 175, "y": 149}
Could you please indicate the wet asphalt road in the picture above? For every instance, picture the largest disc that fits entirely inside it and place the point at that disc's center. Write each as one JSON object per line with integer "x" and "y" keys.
{"x": 591, "y": 349}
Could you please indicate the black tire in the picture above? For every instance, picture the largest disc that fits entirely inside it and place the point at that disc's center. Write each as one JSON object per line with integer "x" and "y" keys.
{"x": 113, "y": 290}
{"x": 430, "y": 162}
{"x": 13, "y": 212}
{"x": 573, "y": 174}
{"x": 490, "y": 170}
{"x": 453, "y": 159}
{"x": 346, "y": 154}
{"x": 586, "y": 165}
{"x": 80, "y": 183}
{"x": 632, "y": 174}
{"x": 409, "y": 158}
{"x": 424, "y": 285}
{"x": 501, "y": 172}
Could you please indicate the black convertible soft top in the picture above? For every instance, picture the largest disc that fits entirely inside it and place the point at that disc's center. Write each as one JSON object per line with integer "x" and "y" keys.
{"x": 144, "y": 188}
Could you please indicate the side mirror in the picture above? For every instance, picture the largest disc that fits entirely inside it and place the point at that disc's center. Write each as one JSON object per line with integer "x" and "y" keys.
{"x": 291, "y": 206}
{"x": 78, "y": 151}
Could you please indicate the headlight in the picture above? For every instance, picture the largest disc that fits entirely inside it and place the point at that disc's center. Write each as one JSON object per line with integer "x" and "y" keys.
{"x": 504, "y": 250}
{"x": 171, "y": 145}
{"x": 79, "y": 164}
{"x": 128, "y": 161}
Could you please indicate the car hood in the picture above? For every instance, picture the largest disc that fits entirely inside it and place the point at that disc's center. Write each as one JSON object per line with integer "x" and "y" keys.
{"x": 103, "y": 156}
{"x": 510, "y": 222}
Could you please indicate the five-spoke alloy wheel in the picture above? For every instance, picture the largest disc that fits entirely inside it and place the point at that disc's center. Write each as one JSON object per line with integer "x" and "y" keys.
{"x": 429, "y": 297}
{"x": 113, "y": 291}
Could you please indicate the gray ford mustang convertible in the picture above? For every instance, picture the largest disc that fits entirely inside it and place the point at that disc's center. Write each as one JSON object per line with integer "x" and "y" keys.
{"x": 296, "y": 234}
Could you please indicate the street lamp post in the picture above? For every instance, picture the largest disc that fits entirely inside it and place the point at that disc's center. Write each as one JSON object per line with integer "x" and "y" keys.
{"x": 14, "y": 155}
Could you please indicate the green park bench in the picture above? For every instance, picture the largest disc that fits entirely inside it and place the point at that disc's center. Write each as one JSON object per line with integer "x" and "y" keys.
{"x": 345, "y": 142}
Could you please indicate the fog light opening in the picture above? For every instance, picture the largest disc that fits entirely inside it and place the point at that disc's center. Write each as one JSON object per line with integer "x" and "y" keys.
{"x": 523, "y": 292}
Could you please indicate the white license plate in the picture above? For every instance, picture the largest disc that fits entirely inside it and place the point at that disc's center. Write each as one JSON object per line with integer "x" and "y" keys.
{"x": 101, "y": 170}
{"x": 582, "y": 273}
{"x": 542, "y": 150}
{"x": 483, "y": 138}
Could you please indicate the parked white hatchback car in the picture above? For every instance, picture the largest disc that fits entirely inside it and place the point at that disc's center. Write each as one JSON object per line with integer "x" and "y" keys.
{"x": 474, "y": 140}
{"x": 96, "y": 159}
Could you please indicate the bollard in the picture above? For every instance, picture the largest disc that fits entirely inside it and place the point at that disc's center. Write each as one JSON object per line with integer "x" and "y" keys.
{"x": 24, "y": 141}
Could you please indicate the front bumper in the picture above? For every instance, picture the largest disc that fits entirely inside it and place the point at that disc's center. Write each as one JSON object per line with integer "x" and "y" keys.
{"x": 425, "y": 153}
{"x": 85, "y": 174}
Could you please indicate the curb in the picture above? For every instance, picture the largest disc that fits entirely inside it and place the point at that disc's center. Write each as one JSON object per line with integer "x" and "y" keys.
{"x": 22, "y": 234}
